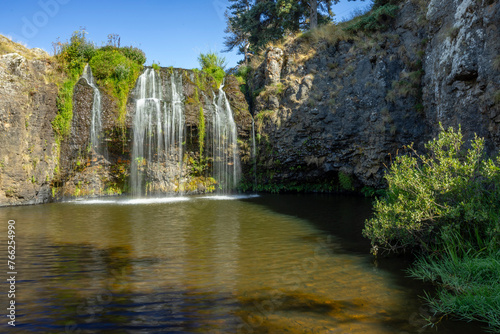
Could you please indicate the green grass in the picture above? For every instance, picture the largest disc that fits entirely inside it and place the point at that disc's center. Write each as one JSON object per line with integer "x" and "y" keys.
{"x": 469, "y": 282}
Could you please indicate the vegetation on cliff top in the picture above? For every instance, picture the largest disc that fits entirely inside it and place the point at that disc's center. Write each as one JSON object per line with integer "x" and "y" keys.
{"x": 115, "y": 69}
{"x": 445, "y": 205}
{"x": 213, "y": 65}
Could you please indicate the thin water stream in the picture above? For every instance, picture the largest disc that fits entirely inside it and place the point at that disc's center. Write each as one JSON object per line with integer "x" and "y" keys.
{"x": 208, "y": 264}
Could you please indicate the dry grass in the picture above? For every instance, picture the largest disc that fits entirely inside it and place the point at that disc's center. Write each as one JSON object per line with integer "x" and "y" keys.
{"x": 329, "y": 33}
{"x": 8, "y": 46}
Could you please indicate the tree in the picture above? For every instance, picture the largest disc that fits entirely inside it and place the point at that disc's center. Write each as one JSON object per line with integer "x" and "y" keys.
{"x": 237, "y": 37}
{"x": 314, "y": 14}
{"x": 252, "y": 24}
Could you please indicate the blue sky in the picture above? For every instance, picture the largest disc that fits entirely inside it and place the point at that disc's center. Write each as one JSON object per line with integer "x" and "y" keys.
{"x": 170, "y": 32}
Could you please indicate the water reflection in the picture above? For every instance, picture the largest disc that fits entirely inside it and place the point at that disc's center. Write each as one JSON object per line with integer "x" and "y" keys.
{"x": 206, "y": 265}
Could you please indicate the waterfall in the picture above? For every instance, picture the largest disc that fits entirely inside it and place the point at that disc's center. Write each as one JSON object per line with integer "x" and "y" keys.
{"x": 158, "y": 128}
{"x": 96, "y": 123}
{"x": 254, "y": 156}
{"x": 226, "y": 164}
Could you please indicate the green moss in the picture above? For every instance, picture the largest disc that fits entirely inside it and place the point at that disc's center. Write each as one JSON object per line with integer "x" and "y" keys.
{"x": 156, "y": 67}
{"x": 345, "y": 181}
{"x": 62, "y": 122}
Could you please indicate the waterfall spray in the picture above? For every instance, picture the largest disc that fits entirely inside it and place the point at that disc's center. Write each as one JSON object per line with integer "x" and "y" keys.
{"x": 96, "y": 123}
{"x": 226, "y": 164}
{"x": 158, "y": 127}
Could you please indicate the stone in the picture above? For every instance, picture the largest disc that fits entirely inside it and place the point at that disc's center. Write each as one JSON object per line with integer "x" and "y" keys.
{"x": 274, "y": 62}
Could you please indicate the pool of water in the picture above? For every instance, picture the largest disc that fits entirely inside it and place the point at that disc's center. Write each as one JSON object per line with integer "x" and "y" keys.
{"x": 208, "y": 264}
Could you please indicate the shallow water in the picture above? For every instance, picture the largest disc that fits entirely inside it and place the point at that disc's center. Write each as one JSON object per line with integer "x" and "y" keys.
{"x": 209, "y": 264}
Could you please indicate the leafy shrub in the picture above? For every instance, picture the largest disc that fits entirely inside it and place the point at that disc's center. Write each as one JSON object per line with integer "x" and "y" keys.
{"x": 155, "y": 67}
{"x": 135, "y": 54}
{"x": 212, "y": 64}
{"x": 116, "y": 73}
{"x": 211, "y": 59}
{"x": 447, "y": 188}
{"x": 75, "y": 52}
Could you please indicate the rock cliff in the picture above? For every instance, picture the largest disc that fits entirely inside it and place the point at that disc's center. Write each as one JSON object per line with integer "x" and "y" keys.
{"x": 28, "y": 151}
{"x": 332, "y": 107}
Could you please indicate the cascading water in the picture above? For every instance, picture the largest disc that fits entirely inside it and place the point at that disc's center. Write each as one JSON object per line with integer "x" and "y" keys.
{"x": 96, "y": 123}
{"x": 254, "y": 156}
{"x": 222, "y": 130}
{"x": 158, "y": 127}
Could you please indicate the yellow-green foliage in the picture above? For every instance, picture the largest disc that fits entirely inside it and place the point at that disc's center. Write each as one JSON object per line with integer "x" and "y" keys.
{"x": 448, "y": 188}
{"x": 213, "y": 65}
{"x": 117, "y": 74}
{"x": 115, "y": 69}
{"x": 62, "y": 122}
{"x": 5, "y": 48}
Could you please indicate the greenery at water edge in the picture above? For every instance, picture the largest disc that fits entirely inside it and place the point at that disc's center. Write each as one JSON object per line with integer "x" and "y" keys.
{"x": 115, "y": 69}
{"x": 445, "y": 206}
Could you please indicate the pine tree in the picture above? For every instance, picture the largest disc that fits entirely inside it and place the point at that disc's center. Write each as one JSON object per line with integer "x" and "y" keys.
{"x": 252, "y": 24}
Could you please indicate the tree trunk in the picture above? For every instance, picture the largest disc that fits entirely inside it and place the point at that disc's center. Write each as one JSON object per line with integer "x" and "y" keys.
{"x": 314, "y": 14}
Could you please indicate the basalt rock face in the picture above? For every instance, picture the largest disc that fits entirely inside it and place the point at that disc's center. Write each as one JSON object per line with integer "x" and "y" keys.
{"x": 85, "y": 171}
{"x": 28, "y": 152}
{"x": 341, "y": 110}
{"x": 462, "y": 68}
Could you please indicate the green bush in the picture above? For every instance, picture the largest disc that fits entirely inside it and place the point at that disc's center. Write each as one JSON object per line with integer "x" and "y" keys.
{"x": 446, "y": 189}
{"x": 115, "y": 69}
{"x": 156, "y": 67}
{"x": 213, "y": 65}
{"x": 345, "y": 181}
{"x": 75, "y": 52}
{"x": 376, "y": 20}
{"x": 134, "y": 54}
{"x": 116, "y": 73}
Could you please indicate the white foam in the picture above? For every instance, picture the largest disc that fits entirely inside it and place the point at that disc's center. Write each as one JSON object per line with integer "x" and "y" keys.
{"x": 154, "y": 200}
{"x": 228, "y": 197}
{"x": 134, "y": 201}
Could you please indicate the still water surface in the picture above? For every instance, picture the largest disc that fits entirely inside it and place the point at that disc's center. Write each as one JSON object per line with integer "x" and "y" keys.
{"x": 216, "y": 264}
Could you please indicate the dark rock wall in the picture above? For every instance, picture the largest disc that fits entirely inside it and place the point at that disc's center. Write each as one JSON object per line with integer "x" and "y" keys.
{"x": 462, "y": 68}
{"x": 348, "y": 106}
